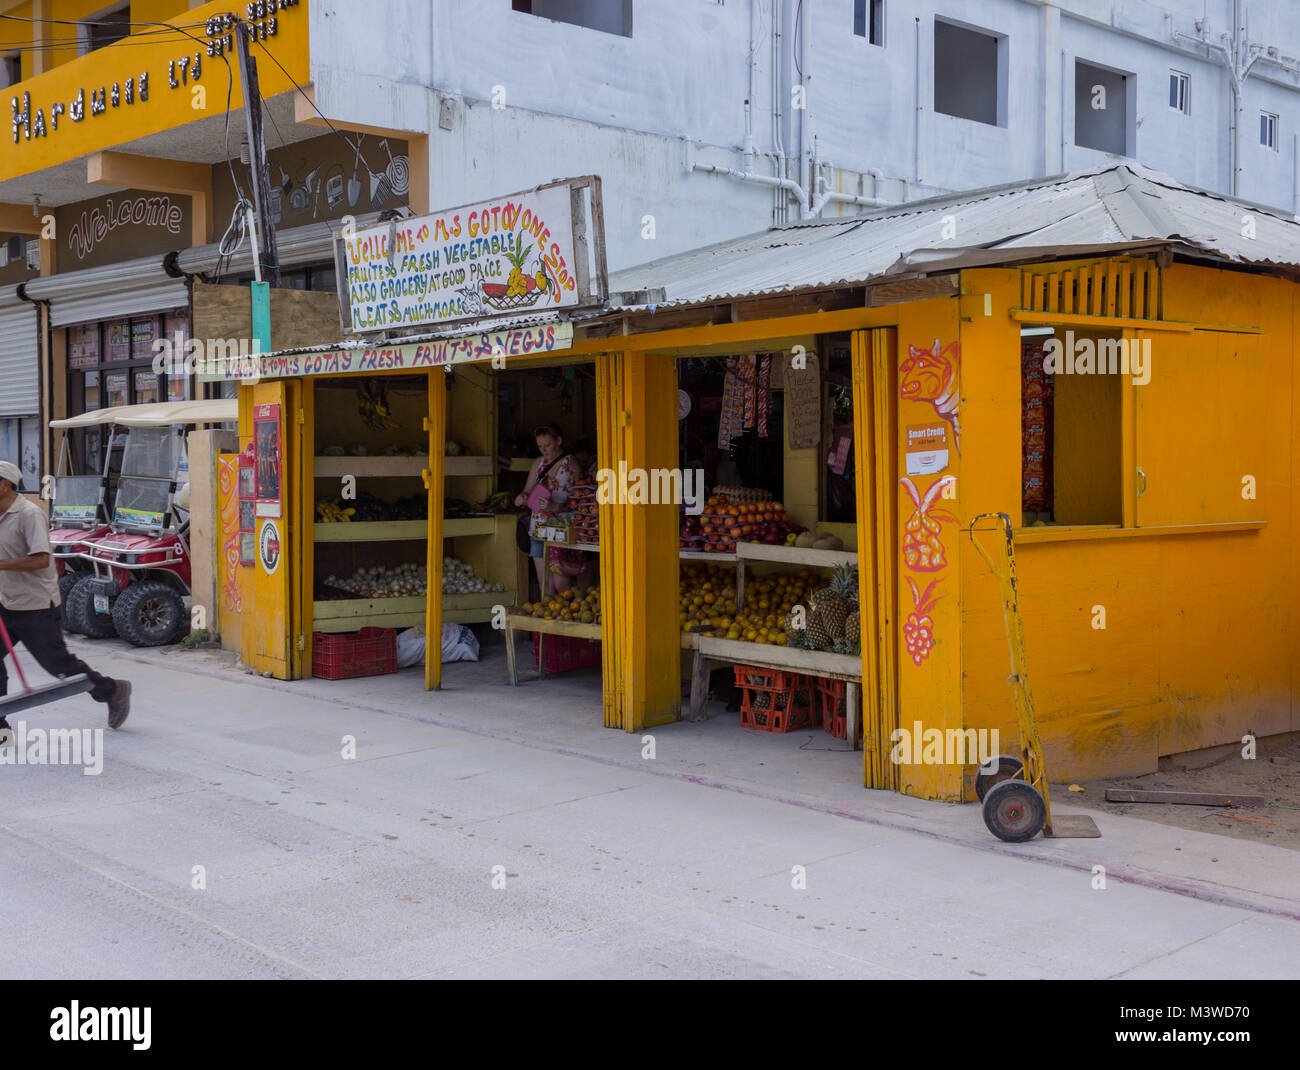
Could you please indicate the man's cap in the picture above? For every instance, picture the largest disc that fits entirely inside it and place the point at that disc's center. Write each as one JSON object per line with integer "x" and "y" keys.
{"x": 10, "y": 471}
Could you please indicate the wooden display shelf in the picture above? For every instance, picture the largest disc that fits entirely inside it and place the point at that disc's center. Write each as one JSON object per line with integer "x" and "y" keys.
{"x": 521, "y": 464}
{"x": 372, "y": 531}
{"x": 476, "y": 608}
{"x": 709, "y": 650}
{"x": 523, "y": 622}
{"x": 795, "y": 555}
{"x": 470, "y": 525}
{"x": 391, "y": 467}
{"x": 727, "y": 558}
{"x": 351, "y": 614}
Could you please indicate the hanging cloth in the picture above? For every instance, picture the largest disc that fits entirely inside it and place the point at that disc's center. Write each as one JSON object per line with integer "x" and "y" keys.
{"x": 764, "y": 392}
{"x": 729, "y": 418}
{"x": 749, "y": 386}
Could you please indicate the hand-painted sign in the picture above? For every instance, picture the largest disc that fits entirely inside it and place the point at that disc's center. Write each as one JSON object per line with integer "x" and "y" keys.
{"x": 406, "y": 356}
{"x": 511, "y": 255}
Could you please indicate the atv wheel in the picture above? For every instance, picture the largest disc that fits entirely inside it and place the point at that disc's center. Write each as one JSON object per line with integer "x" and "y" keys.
{"x": 149, "y": 614}
{"x": 66, "y": 582}
{"x": 81, "y": 610}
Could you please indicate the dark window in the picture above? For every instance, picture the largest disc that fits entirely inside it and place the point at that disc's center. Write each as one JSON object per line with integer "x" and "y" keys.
{"x": 12, "y": 69}
{"x": 1178, "y": 83}
{"x": 608, "y": 16}
{"x": 1101, "y": 119}
{"x": 1268, "y": 130}
{"x": 107, "y": 28}
{"x": 966, "y": 73}
{"x": 869, "y": 20}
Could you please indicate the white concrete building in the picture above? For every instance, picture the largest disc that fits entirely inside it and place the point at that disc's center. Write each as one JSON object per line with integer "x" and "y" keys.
{"x": 848, "y": 102}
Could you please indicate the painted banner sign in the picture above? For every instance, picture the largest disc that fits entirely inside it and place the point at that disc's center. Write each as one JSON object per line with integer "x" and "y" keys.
{"x": 525, "y": 252}
{"x": 485, "y": 346}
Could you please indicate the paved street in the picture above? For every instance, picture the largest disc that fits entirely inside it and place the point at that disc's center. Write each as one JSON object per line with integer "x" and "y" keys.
{"x": 315, "y": 865}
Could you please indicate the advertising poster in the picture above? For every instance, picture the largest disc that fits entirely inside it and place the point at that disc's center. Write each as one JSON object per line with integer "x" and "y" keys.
{"x": 267, "y": 459}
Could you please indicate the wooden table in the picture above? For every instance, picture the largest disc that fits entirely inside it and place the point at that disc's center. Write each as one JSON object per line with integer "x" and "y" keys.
{"x": 709, "y": 650}
{"x": 518, "y": 622}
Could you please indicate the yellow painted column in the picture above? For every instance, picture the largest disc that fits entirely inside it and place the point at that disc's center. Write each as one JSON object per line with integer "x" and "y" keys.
{"x": 436, "y": 425}
{"x": 610, "y": 428}
{"x": 651, "y": 651}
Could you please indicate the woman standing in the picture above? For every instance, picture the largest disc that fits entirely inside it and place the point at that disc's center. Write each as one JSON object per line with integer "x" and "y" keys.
{"x": 546, "y": 492}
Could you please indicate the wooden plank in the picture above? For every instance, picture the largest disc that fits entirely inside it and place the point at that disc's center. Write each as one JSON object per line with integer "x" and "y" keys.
{"x": 1171, "y": 326}
{"x": 699, "y": 686}
{"x": 813, "y": 662}
{"x": 1183, "y": 798}
{"x": 765, "y": 308}
{"x": 576, "y": 629}
{"x": 794, "y": 555}
{"x": 470, "y": 525}
{"x": 373, "y": 531}
{"x": 379, "y": 620}
{"x": 894, "y": 293}
{"x": 354, "y": 608}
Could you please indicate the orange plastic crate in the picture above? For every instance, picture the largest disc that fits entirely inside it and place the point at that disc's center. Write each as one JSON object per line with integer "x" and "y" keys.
{"x": 774, "y": 700}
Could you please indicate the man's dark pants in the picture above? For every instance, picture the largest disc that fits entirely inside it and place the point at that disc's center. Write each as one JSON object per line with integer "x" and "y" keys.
{"x": 41, "y": 632}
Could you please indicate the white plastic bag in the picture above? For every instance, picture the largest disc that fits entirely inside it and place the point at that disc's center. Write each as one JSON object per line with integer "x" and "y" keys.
{"x": 410, "y": 648}
{"x": 459, "y": 643}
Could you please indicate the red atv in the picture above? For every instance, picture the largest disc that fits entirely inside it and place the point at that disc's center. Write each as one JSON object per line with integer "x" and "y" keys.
{"x": 79, "y": 510}
{"x": 140, "y": 577}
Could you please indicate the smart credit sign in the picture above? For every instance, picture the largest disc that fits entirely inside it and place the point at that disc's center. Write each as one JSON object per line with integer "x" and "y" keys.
{"x": 539, "y": 250}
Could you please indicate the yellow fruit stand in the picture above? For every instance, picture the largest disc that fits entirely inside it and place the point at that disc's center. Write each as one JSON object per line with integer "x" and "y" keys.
{"x": 1156, "y": 596}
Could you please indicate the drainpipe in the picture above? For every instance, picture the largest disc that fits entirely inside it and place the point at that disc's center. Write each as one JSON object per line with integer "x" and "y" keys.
{"x": 788, "y": 184}
{"x": 778, "y": 142}
{"x": 916, "y": 114}
{"x": 749, "y": 100}
{"x": 827, "y": 196}
{"x": 807, "y": 141}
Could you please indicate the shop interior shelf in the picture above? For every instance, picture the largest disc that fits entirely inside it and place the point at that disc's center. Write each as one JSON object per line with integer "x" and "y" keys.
{"x": 470, "y": 525}
{"x": 701, "y": 555}
{"x": 382, "y": 467}
{"x": 372, "y": 531}
{"x": 351, "y": 614}
{"x": 812, "y": 662}
{"x": 521, "y": 464}
{"x": 794, "y": 555}
{"x": 475, "y": 608}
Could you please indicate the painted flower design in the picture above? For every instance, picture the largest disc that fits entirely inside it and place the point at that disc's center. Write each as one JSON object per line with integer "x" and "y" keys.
{"x": 923, "y": 550}
{"x": 918, "y": 629}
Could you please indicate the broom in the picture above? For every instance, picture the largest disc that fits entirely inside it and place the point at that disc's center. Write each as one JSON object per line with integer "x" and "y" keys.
{"x": 38, "y": 696}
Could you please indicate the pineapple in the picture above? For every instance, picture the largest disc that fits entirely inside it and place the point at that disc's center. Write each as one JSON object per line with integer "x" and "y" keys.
{"x": 853, "y": 629}
{"x": 518, "y": 283}
{"x": 844, "y": 582}
{"x": 819, "y": 635}
{"x": 827, "y": 604}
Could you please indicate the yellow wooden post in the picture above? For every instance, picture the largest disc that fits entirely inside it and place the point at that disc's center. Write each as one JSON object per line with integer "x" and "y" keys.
{"x": 651, "y": 645}
{"x": 436, "y": 425}
{"x": 304, "y": 533}
{"x": 609, "y": 450}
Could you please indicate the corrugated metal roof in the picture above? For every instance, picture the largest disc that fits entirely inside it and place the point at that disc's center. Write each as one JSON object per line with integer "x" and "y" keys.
{"x": 1118, "y": 205}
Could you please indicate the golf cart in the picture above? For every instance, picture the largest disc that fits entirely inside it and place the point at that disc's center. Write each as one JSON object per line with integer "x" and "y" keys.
{"x": 79, "y": 509}
{"x": 139, "y": 573}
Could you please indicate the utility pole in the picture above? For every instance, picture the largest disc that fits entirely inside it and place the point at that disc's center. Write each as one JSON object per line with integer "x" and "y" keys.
{"x": 267, "y": 249}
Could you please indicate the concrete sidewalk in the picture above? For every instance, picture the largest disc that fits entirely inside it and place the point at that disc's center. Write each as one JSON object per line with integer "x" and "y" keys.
{"x": 613, "y": 865}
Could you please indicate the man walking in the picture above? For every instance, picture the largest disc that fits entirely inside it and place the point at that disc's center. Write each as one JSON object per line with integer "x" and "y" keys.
{"x": 29, "y": 599}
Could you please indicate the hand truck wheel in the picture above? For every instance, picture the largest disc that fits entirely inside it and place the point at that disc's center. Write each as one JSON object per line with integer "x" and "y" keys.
{"x": 1014, "y": 811}
{"x": 997, "y": 769}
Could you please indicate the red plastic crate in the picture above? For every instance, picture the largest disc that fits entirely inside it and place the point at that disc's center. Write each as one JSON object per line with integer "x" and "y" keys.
{"x": 348, "y": 655}
{"x": 566, "y": 652}
{"x": 833, "y": 703}
{"x": 774, "y": 700}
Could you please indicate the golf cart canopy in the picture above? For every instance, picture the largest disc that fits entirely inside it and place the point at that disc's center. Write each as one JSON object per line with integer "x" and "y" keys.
{"x": 158, "y": 414}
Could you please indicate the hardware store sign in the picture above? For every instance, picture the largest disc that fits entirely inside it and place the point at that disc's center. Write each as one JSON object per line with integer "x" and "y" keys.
{"x": 406, "y": 356}
{"x": 503, "y": 257}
